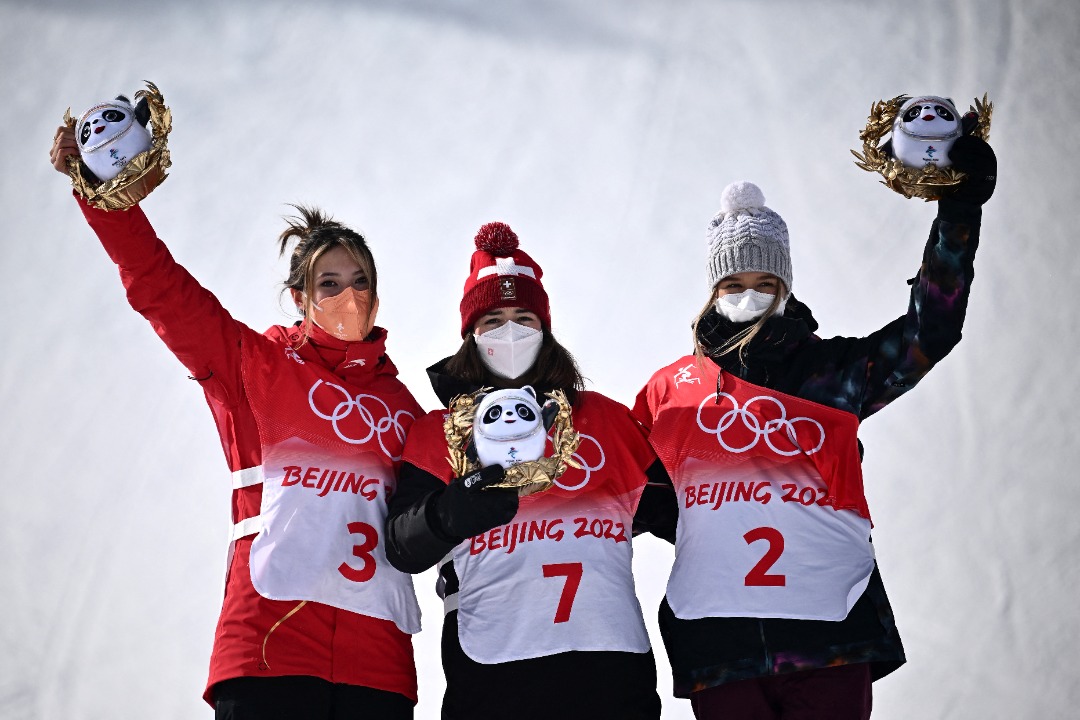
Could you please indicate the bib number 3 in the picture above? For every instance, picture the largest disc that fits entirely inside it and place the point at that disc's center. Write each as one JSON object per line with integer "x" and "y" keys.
{"x": 759, "y": 575}
{"x": 363, "y": 551}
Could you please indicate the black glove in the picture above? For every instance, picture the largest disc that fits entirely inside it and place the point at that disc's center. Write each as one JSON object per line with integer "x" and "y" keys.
{"x": 975, "y": 158}
{"x": 465, "y": 509}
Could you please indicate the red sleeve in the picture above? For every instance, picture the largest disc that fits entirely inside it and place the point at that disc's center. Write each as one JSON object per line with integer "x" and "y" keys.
{"x": 643, "y": 409}
{"x": 426, "y": 446}
{"x": 186, "y": 316}
{"x": 637, "y": 438}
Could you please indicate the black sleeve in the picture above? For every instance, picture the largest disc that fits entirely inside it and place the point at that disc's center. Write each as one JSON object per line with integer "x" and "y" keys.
{"x": 863, "y": 375}
{"x": 905, "y": 350}
{"x": 413, "y": 542}
{"x": 658, "y": 510}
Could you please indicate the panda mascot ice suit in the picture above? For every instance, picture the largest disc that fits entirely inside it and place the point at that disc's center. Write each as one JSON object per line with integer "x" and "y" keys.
{"x": 510, "y": 427}
{"x": 111, "y": 133}
{"x": 924, "y": 130}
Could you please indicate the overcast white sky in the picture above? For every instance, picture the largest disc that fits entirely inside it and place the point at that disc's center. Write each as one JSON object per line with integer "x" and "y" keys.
{"x": 603, "y": 133}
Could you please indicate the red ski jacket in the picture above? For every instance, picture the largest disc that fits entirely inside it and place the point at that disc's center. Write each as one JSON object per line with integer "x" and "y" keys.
{"x": 256, "y": 636}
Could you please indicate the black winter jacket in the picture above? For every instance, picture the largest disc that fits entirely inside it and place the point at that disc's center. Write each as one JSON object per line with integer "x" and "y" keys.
{"x": 594, "y": 683}
{"x": 859, "y": 375}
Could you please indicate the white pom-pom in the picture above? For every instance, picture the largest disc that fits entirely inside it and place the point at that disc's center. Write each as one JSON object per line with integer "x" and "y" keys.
{"x": 740, "y": 196}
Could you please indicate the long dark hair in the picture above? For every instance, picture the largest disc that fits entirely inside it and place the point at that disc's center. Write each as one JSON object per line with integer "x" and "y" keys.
{"x": 555, "y": 368}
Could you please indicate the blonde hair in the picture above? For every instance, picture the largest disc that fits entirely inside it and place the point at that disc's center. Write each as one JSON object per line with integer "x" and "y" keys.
{"x": 741, "y": 340}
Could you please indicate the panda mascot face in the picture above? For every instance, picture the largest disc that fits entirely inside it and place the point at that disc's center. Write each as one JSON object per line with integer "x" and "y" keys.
{"x": 509, "y": 428}
{"x": 111, "y": 134}
{"x": 924, "y": 131}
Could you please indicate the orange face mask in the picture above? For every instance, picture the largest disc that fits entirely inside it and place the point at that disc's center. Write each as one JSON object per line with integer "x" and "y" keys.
{"x": 348, "y": 316}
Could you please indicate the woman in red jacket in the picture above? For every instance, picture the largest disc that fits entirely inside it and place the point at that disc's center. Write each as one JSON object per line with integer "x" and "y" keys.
{"x": 315, "y": 622}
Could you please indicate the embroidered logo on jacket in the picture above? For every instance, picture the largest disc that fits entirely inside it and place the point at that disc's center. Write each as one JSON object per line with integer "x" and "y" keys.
{"x": 683, "y": 376}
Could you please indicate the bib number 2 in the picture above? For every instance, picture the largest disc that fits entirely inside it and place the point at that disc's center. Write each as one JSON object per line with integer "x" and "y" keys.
{"x": 759, "y": 575}
{"x": 369, "y": 541}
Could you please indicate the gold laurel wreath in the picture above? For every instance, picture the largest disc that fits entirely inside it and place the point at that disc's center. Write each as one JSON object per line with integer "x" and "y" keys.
{"x": 530, "y": 477}
{"x": 142, "y": 174}
{"x": 929, "y": 182}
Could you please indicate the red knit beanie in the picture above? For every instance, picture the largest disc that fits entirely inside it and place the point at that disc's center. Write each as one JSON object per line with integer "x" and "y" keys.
{"x": 502, "y": 276}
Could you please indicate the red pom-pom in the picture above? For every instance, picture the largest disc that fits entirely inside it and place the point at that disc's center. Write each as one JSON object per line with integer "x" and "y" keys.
{"x": 497, "y": 238}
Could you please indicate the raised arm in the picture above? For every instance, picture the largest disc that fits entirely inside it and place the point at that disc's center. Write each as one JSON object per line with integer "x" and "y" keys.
{"x": 901, "y": 353}
{"x": 187, "y": 317}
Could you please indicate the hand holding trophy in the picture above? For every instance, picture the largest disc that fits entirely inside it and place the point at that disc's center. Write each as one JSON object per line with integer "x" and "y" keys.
{"x": 915, "y": 160}
{"x": 112, "y": 158}
{"x": 509, "y": 428}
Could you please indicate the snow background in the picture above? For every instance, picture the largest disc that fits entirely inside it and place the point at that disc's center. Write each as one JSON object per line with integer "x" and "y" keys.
{"x": 603, "y": 133}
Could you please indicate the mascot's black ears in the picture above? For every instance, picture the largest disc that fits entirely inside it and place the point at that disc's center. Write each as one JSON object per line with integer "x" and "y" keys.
{"x": 969, "y": 122}
{"x": 548, "y": 413}
{"x": 142, "y": 112}
{"x": 142, "y": 109}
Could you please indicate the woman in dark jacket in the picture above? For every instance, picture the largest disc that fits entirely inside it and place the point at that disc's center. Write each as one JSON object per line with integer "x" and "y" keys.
{"x": 542, "y": 619}
{"x": 775, "y": 607}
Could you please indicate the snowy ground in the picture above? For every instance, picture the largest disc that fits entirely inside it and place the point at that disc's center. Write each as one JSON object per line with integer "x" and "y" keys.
{"x": 603, "y": 132}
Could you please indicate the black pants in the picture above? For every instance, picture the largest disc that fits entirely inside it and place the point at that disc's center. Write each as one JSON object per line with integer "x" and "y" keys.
{"x": 568, "y": 686}
{"x": 296, "y": 697}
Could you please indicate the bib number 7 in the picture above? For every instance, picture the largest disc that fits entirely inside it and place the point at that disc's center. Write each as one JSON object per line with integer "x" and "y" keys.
{"x": 759, "y": 575}
{"x": 572, "y": 573}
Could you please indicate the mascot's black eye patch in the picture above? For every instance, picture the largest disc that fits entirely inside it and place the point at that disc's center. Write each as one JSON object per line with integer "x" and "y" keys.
{"x": 113, "y": 116}
{"x": 943, "y": 113}
{"x": 84, "y": 133}
{"x": 525, "y": 412}
{"x": 493, "y": 413}
{"x": 912, "y": 113}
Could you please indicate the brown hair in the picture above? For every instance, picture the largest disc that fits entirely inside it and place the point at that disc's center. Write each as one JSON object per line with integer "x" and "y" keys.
{"x": 316, "y": 233}
{"x": 554, "y": 368}
{"x": 741, "y": 340}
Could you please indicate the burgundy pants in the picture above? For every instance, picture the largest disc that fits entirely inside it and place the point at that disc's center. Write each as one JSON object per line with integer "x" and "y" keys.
{"x": 833, "y": 693}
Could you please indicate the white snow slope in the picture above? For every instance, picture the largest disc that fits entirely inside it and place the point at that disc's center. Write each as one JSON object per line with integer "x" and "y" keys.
{"x": 603, "y": 133}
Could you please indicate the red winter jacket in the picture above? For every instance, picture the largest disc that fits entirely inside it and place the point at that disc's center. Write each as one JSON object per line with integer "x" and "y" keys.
{"x": 257, "y": 637}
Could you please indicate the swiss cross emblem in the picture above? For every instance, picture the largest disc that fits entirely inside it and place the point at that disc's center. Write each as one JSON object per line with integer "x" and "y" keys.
{"x": 508, "y": 288}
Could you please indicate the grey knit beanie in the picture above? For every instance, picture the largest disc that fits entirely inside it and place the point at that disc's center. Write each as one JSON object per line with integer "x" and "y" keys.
{"x": 746, "y": 236}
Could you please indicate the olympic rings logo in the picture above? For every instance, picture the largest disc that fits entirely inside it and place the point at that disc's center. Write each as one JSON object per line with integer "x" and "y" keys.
{"x": 753, "y": 423}
{"x": 585, "y": 466}
{"x": 387, "y": 423}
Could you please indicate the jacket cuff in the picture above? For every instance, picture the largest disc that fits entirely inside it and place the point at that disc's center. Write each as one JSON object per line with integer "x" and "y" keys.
{"x": 414, "y": 544}
{"x": 957, "y": 212}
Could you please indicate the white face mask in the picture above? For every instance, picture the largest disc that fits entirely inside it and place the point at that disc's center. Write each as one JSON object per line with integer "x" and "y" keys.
{"x": 747, "y": 305}
{"x": 510, "y": 349}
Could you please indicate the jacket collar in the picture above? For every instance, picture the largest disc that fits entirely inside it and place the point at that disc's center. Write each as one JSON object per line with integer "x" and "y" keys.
{"x": 763, "y": 358}
{"x": 447, "y": 386}
{"x": 357, "y": 362}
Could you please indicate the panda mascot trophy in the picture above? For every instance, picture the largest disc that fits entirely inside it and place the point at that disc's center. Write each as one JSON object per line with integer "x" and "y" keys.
{"x": 915, "y": 159}
{"x": 510, "y": 428}
{"x": 121, "y": 160}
